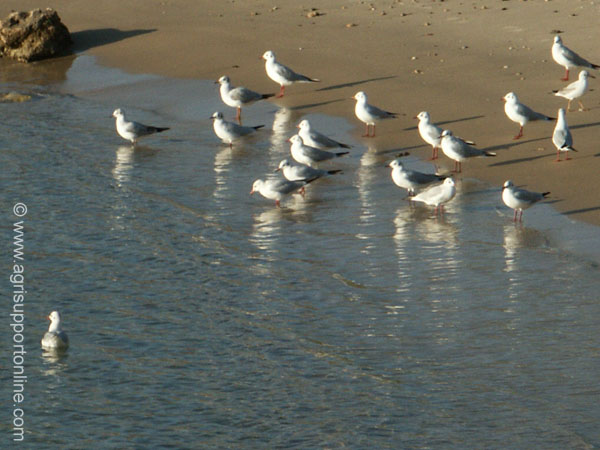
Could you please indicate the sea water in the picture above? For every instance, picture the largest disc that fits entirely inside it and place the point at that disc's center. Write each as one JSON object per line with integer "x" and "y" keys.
{"x": 202, "y": 317}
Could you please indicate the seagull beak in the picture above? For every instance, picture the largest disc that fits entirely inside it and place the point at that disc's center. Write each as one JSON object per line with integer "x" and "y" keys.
{"x": 252, "y": 192}
{"x": 277, "y": 170}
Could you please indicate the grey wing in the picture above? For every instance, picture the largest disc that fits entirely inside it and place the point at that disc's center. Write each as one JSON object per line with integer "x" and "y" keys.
{"x": 422, "y": 178}
{"x": 287, "y": 187}
{"x": 289, "y": 74}
{"x": 527, "y": 196}
{"x": 377, "y": 112}
{"x": 575, "y": 58}
{"x": 562, "y": 138}
{"x": 317, "y": 154}
{"x": 530, "y": 113}
{"x": 139, "y": 129}
{"x": 244, "y": 95}
{"x": 238, "y": 130}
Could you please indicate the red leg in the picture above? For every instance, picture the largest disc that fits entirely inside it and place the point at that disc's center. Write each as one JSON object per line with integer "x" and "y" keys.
{"x": 239, "y": 115}
{"x": 520, "y": 134}
{"x": 277, "y": 203}
{"x": 566, "y": 78}
{"x": 373, "y": 135}
{"x": 521, "y": 216}
{"x": 366, "y": 130}
{"x": 281, "y": 91}
{"x": 434, "y": 153}
{"x": 557, "y": 156}
{"x": 515, "y": 216}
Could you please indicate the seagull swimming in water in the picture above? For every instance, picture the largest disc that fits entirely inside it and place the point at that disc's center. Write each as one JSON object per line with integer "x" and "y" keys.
{"x": 55, "y": 338}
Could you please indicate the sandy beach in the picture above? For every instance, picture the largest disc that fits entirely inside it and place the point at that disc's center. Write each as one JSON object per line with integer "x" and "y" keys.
{"x": 455, "y": 60}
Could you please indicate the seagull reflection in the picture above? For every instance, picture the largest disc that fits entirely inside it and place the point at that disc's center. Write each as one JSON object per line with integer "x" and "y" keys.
{"x": 518, "y": 237}
{"x": 283, "y": 128}
{"x": 54, "y": 362}
{"x": 123, "y": 164}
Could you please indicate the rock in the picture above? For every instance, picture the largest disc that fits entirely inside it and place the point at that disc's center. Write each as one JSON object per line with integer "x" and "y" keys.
{"x": 34, "y": 35}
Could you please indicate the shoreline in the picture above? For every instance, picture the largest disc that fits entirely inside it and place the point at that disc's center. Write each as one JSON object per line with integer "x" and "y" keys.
{"x": 454, "y": 60}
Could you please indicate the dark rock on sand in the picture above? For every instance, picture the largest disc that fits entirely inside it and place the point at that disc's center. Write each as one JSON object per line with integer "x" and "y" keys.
{"x": 34, "y": 35}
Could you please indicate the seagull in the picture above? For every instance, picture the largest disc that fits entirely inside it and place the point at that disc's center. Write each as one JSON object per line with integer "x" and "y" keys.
{"x": 459, "y": 150}
{"x": 412, "y": 180}
{"x": 55, "y": 338}
{"x": 562, "y": 139}
{"x": 567, "y": 58}
{"x": 575, "y": 90}
{"x": 302, "y": 172}
{"x": 315, "y": 139}
{"x": 230, "y": 131}
{"x": 437, "y": 195}
{"x": 369, "y": 114}
{"x": 305, "y": 154}
{"x": 430, "y": 133}
{"x": 236, "y": 97}
{"x": 132, "y": 131}
{"x": 282, "y": 74}
{"x": 278, "y": 189}
{"x": 520, "y": 199}
{"x": 518, "y": 112}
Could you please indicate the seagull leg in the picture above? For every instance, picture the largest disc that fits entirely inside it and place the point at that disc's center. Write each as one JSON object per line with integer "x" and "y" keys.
{"x": 581, "y": 107}
{"x": 277, "y": 203}
{"x": 520, "y": 133}
{"x": 521, "y": 216}
{"x": 568, "y": 157}
{"x": 434, "y": 153}
{"x": 367, "y": 129}
{"x": 557, "y": 156}
{"x": 569, "y": 106}
{"x": 239, "y": 115}
{"x": 515, "y": 216}
{"x": 281, "y": 91}
{"x": 566, "y": 78}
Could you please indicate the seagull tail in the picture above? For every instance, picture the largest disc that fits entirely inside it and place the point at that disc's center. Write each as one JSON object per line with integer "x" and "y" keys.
{"x": 160, "y": 129}
{"x": 258, "y": 127}
{"x": 333, "y": 172}
{"x": 341, "y": 153}
{"x": 343, "y": 145}
{"x": 595, "y": 66}
{"x": 545, "y": 194}
{"x": 264, "y": 96}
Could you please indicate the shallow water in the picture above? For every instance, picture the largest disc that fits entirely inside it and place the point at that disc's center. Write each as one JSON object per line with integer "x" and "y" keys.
{"x": 203, "y": 317}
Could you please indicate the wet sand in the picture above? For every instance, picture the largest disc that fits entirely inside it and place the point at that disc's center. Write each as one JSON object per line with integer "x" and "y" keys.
{"x": 454, "y": 59}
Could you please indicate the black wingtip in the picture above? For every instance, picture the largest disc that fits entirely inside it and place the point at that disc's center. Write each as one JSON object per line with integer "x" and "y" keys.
{"x": 341, "y": 153}
{"x": 344, "y": 145}
{"x": 267, "y": 96}
{"x": 258, "y": 127}
{"x": 544, "y": 194}
{"x": 332, "y": 172}
{"x": 161, "y": 129}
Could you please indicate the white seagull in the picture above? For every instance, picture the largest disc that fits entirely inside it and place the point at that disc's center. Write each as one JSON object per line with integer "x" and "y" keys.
{"x": 412, "y": 180}
{"x": 230, "y": 131}
{"x": 520, "y": 199}
{"x": 437, "y": 195}
{"x": 561, "y": 138}
{"x": 369, "y": 114}
{"x": 575, "y": 90}
{"x": 55, "y": 338}
{"x": 277, "y": 189}
{"x": 302, "y": 172}
{"x": 459, "y": 150}
{"x": 282, "y": 74}
{"x": 236, "y": 97}
{"x": 315, "y": 139}
{"x": 567, "y": 58}
{"x": 305, "y": 154}
{"x": 518, "y": 112}
{"x": 430, "y": 133}
{"x": 132, "y": 131}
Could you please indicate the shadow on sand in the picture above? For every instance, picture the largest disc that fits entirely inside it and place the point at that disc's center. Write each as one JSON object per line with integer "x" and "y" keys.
{"x": 86, "y": 39}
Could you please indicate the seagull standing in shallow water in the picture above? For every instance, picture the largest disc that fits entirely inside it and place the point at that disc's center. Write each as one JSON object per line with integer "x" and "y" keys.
{"x": 315, "y": 139}
{"x": 55, "y": 338}
{"x": 132, "y": 131}
{"x": 520, "y": 199}
{"x": 369, "y": 114}
{"x": 437, "y": 195}
{"x": 282, "y": 74}
{"x": 236, "y": 97}
{"x": 567, "y": 58}
{"x": 412, "y": 180}
{"x": 277, "y": 189}
{"x": 230, "y": 131}
{"x": 518, "y": 112}
{"x": 302, "y": 172}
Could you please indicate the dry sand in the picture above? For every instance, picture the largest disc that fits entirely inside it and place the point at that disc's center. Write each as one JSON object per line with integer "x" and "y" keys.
{"x": 455, "y": 59}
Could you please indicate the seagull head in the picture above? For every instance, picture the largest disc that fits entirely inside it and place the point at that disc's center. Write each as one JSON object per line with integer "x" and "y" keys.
{"x": 256, "y": 186}
{"x": 511, "y": 97}
{"x": 423, "y": 115}
{"x": 54, "y": 319}
{"x": 360, "y": 96}
{"x": 396, "y": 164}
{"x": 118, "y": 113}
{"x": 304, "y": 125}
{"x": 268, "y": 56}
{"x": 446, "y": 133}
{"x": 217, "y": 115}
{"x": 295, "y": 139}
{"x": 449, "y": 182}
{"x": 283, "y": 164}
{"x": 557, "y": 39}
{"x": 223, "y": 80}
{"x": 585, "y": 74}
{"x": 507, "y": 184}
